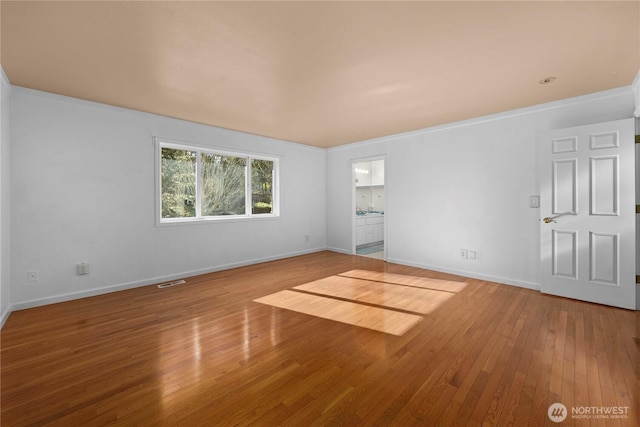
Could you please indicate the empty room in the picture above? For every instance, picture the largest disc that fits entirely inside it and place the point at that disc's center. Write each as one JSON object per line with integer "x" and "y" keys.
{"x": 301, "y": 213}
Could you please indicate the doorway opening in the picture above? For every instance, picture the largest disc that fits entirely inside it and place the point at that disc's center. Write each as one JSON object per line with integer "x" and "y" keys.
{"x": 369, "y": 208}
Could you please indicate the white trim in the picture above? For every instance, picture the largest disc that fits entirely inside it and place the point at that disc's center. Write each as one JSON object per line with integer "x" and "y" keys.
{"x": 635, "y": 87}
{"x": 152, "y": 281}
{"x": 112, "y": 108}
{"x": 226, "y": 219}
{"x": 471, "y": 275}
{"x": 161, "y": 279}
{"x": 490, "y": 118}
{"x": 339, "y": 250}
{"x": 5, "y": 315}
{"x": 181, "y": 144}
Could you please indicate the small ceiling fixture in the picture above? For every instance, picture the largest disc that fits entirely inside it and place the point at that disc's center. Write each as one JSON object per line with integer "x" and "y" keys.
{"x": 546, "y": 80}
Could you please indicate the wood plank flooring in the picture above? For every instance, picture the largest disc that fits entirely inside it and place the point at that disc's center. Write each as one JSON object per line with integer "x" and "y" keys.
{"x": 417, "y": 300}
{"x": 205, "y": 354}
{"x": 365, "y": 316}
{"x": 407, "y": 280}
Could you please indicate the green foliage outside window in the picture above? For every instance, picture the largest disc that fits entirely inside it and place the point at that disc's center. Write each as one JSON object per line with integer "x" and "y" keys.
{"x": 178, "y": 183}
{"x": 222, "y": 180}
{"x": 223, "y": 185}
{"x": 261, "y": 186}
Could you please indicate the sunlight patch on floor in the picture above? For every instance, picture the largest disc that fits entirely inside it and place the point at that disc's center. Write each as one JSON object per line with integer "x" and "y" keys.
{"x": 385, "y": 302}
{"x": 417, "y": 300}
{"x": 378, "y": 319}
{"x": 403, "y": 279}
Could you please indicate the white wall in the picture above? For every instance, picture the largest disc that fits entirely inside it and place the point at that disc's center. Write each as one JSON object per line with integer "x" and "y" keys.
{"x": 636, "y": 96}
{"x": 464, "y": 185}
{"x": 5, "y": 190}
{"x": 83, "y": 191}
{"x": 637, "y": 202}
{"x": 635, "y": 87}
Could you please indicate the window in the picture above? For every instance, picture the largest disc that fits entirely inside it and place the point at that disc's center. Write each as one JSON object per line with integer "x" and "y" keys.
{"x": 197, "y": 184}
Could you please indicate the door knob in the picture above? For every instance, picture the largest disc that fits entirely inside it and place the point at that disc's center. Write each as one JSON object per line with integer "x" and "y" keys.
{"x": 551, "y": 219}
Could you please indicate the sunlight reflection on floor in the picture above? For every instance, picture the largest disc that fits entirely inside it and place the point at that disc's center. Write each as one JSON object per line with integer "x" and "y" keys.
{"x": 385, "y": 302}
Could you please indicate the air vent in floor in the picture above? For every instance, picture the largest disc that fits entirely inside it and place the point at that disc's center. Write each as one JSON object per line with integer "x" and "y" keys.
{"x": 176, "y": 282}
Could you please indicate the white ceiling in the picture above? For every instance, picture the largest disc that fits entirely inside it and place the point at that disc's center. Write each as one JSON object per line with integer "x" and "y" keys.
{"x": 321, "y": 73}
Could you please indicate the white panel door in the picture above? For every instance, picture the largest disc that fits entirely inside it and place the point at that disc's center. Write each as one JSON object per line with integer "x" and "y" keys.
{"x": 587, "y": 196}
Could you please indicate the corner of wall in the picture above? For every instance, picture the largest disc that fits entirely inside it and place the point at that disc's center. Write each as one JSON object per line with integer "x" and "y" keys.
{"x": 636, "y": 98}
{"x": 5, "y": 191}
{"x": 636, "y": 93}
{"x": 635, "y": 87}
{"x": 5, "y": 316}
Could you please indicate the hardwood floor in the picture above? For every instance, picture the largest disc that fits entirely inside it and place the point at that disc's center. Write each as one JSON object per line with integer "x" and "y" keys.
{"x": 204, "y": 353}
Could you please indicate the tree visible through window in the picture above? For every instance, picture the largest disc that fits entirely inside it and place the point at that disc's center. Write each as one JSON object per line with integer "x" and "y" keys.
{"x": 223, "y": 185}
{"x": 200, "y": 184}
{"x": 261, "y": 186}
{"x": 178, "y": 183}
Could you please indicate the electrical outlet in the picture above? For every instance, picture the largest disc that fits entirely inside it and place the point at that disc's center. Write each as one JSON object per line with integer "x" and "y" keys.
{"x": 306, "y": 237}
{"x": 473, "y": 255}
{"x": 32, "y": 276}
{"x": 463, "y": 254}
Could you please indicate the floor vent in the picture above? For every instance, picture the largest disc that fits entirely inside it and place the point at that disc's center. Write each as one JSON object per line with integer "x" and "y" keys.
{"x": 176, "y": 282}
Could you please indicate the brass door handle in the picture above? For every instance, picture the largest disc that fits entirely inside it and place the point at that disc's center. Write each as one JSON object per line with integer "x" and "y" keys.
{"x": 551, "y": 219}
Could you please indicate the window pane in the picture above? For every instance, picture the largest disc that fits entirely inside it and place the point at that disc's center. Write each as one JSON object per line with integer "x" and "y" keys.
{"x": 223, "y": 185}
{"x": 261, "y": 186}
{"x": 178, "y": 183}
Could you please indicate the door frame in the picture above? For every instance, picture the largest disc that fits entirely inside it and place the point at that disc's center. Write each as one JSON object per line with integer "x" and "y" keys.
{"x": 352, "y": 164}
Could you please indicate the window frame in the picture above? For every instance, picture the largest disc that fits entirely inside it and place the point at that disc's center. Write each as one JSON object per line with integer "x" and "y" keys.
{"x": 160, "y": 143}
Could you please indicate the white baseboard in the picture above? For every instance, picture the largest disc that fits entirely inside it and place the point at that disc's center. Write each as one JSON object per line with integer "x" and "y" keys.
{"x": 5, "y": 316}
{"x": 472, "y": 275}
{"x": 339, "y": 250}
{"x": 160, "y": 279}
{"x": 22, "y": 305}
